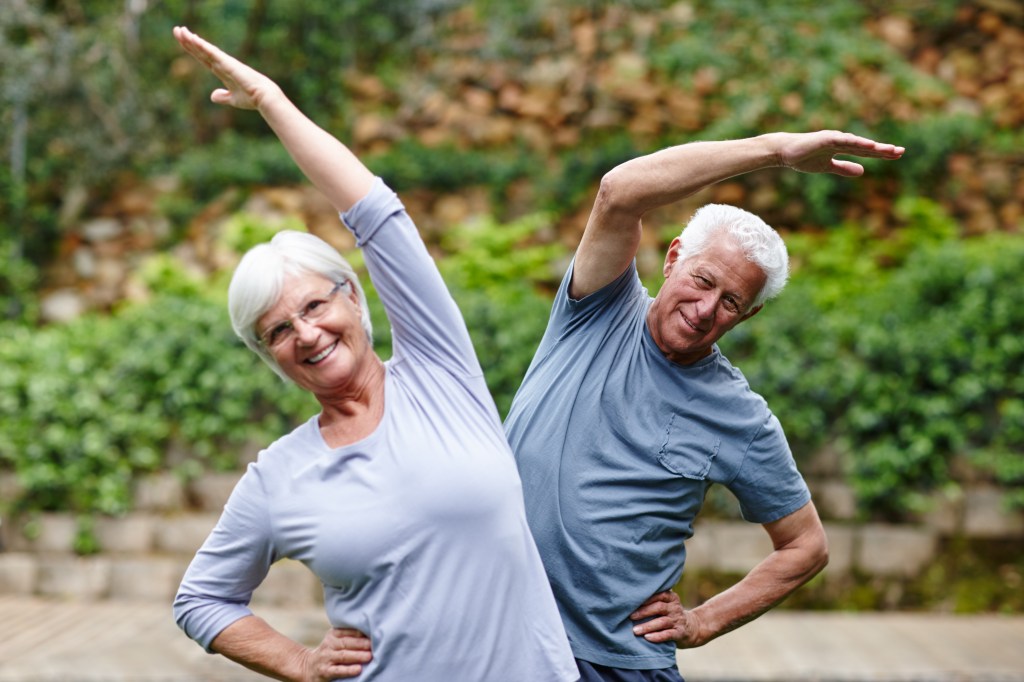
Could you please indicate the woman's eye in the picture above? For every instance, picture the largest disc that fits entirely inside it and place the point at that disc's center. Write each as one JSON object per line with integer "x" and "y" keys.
{"x": 278, "y": 332}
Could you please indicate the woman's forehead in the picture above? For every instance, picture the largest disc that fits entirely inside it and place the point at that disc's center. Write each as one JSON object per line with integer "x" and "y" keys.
{"x": 298, "y": 288}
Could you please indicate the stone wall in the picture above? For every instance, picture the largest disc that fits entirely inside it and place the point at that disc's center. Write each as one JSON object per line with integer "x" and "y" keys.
{"x": 144, "y": 554}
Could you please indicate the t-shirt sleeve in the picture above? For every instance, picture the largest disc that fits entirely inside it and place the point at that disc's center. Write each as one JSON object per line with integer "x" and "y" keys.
{"x": 768, "y": 485}
{"x": 425, "y": 320}
{"x": 233, "y": 561}
{"x": 568, "y": 313}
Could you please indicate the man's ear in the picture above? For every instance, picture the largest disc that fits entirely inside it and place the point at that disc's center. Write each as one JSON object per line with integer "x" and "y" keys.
{"x": 753, "y": 311}
{"x": 672, "y": 256}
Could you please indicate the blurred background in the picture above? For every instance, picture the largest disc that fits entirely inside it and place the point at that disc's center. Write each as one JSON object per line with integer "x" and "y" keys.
{"x": 894, "y": 359}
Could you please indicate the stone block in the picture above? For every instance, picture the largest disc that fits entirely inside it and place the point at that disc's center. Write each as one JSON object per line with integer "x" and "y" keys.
{"x": 210, "y": 492}
{"x": 134, "y": 533}
{"x": 945, "y": 513}
{"x": 700, "y": 549}
{"x": 289, "y": 584}
{"x": 895, "y": 550}
{"x": 43, "y": 533}
{"x": 146, "y": 579}
{"x": 18, "y": 573}
{"x": 10, "y": 486}
{"x": 834, "y": 499}
{"x": 159, "y": 492}
{"x": 986, "y": 515}
{"x": 184, "y": 534}
{"x": 825, "y": 463}
{"x": 842, "y": 541}
{"x": 85, "y": 578}
{"x": 736, "y": 546}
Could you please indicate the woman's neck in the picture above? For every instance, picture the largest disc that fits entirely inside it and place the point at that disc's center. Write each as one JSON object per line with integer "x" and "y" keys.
{"x": 355, "y": 414}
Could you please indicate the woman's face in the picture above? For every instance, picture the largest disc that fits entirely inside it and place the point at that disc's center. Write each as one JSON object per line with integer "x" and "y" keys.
{"x": 314, "y": 331}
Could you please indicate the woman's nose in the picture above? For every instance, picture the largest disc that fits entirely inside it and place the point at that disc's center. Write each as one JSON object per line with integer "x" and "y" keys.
{"x": 305, "y": 331}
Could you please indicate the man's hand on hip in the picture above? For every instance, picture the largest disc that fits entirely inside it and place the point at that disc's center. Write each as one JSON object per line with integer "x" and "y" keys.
{"x": 664, "y": 620}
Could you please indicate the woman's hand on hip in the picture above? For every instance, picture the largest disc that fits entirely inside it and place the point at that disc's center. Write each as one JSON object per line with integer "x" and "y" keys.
{"x": 341, "y": 654}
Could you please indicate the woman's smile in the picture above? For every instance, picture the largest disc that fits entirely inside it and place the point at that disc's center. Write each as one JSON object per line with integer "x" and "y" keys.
{"x": 322, "y": 354}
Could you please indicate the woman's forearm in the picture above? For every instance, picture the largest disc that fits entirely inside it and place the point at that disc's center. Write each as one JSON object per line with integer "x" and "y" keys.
{"x": 330, "y": 165}
{"x": 251, "y": 642}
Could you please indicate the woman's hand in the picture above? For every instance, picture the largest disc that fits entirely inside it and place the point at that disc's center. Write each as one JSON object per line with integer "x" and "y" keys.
{"x": 244, "y": 87}
{"x": 815, "y": 152}
{"x": 341, "y": 654}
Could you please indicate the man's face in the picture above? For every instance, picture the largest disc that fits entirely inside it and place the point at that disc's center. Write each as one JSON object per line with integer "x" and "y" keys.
{"x": 703, "y": 297}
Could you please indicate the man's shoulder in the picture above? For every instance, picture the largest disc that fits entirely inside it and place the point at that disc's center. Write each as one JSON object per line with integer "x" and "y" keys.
{"x": 733, "y": 391}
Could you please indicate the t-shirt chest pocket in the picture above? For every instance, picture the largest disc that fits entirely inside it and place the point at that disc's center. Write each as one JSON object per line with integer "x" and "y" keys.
{"x": 688, "y": 450}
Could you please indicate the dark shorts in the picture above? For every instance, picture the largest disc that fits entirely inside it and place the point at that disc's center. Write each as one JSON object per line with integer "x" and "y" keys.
{"x": 592, "y": 672}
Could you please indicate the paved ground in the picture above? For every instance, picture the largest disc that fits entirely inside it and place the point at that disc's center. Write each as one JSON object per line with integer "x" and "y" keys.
{"x": 50, "y": 641}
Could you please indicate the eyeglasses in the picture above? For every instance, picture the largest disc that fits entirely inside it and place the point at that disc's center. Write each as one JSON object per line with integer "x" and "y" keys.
{"x": 281, "y": 333}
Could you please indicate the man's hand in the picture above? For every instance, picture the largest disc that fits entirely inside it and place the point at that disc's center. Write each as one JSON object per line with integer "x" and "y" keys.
{"x": 815, "y": 152}
{"x": 244, "y": 87}
{"x": 341, "y": 654}
{"x": 669, "y": 621}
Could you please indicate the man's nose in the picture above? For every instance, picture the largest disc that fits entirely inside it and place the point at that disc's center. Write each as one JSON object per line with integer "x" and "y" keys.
{"x": 706, "y": 307}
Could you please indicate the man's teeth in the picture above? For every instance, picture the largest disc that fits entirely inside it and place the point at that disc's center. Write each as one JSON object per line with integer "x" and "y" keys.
{"x": 323, "y": 354}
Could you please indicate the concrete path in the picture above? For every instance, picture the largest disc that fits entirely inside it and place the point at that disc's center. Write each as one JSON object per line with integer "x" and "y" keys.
{"x": 51, "y": 641}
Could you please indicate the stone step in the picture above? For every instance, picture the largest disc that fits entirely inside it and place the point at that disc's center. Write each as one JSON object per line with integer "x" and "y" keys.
{"x": 137, "y": 578}
{"x": 139, "y": 533}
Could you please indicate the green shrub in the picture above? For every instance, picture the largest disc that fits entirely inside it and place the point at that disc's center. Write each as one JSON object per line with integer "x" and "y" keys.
{"x": 905, "y": 368}
{"x": 85, "y": 407}
{"x": 495, "y": 273}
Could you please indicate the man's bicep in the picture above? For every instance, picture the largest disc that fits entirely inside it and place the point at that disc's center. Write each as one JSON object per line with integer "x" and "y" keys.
{"x": 801, "y": 527}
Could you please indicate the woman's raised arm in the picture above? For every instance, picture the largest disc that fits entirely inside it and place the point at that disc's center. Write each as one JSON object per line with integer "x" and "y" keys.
{"x": 329, "y": 164}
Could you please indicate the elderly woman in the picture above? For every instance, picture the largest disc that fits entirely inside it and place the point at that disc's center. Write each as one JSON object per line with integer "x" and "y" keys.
{"x": 401, "y": 495}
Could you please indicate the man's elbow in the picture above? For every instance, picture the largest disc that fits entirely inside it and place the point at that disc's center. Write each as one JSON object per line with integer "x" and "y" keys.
{"x": 615, "y": 193}
{"x": 817, "y": 552}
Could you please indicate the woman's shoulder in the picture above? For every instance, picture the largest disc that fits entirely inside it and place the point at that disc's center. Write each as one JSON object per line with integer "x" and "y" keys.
{"x": 283, "y": 452}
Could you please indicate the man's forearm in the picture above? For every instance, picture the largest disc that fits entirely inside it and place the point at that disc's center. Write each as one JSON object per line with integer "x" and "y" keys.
{"x": 768, "y": 584}
{"x": 675, "y": 173}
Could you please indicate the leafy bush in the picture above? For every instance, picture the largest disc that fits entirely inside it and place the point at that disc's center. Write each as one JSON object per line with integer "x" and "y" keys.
{"x": 17, "y": 280}
{"x": 906, "y": 368}
{"x": 87, "y": 406}
{"x": 495, "y": 273}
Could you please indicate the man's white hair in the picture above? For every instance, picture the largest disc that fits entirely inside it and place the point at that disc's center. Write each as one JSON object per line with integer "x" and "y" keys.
{"x": 759, "y": 242}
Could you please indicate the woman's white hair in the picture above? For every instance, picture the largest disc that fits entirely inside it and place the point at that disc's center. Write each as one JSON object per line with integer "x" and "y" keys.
{"x": 258, "y": 282}
{"x": 759, "y": 242}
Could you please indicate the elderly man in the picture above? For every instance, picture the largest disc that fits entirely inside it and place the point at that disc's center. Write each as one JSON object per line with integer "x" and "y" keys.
{"x": 629, "y": 412}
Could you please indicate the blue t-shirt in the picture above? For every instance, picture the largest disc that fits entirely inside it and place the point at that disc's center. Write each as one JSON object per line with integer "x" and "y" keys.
{"x": 617, "y": 446}
{"x": 418, "y": 531}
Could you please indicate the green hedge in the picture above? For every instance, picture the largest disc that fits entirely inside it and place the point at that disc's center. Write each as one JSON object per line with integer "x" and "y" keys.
{"x": 87, "y": 406}
{"x": 904, "y": 354}
{"x": 906, "y": 369}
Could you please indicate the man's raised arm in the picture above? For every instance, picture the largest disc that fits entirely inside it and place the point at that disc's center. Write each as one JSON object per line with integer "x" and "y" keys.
{"x": 635, "y": 187}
